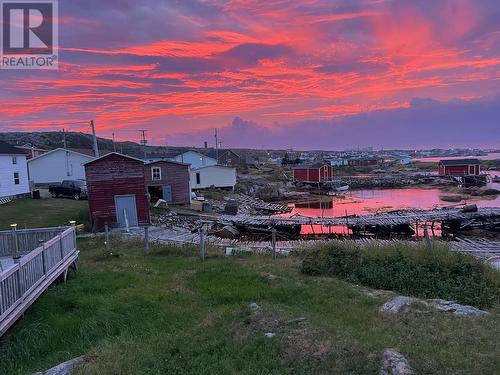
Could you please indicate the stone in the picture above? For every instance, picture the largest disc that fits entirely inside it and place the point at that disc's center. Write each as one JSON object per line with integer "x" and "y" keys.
{"x": 469, "y": 208}
{"x": 456, "y": 308}
{"x": 269, "y": 335}
{"x": 397, "y": 304}
{"x": 394, "y": 363}
{"x": 64, "y": 368}
{"x": 254, "y": 306}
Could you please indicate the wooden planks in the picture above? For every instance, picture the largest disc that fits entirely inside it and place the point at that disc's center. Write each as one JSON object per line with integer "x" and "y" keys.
{"x": 30, "y": 275}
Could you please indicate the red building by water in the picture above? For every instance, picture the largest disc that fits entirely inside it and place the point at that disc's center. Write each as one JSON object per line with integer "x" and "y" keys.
{"x": 313, "y": 173}
{"x": 459, "y": 167}
{"x": 117, "y": 191}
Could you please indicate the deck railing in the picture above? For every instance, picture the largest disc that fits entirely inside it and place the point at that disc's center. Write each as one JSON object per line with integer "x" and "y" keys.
{"x": 32, "y": 273}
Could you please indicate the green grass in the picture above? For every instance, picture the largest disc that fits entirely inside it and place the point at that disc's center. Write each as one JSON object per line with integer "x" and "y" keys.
{"x": 40, "y": 213}
{"x": 169, "y": 313}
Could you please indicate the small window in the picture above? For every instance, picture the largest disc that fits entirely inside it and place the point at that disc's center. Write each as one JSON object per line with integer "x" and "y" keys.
{"x": 156, "y": 173}
{"x": 14, "y": 160}
{"x": 16, "y": 178}
{"x": 198, "y": 178}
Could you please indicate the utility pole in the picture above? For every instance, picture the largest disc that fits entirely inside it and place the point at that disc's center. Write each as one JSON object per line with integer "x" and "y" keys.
{"x": 96, "y": 149}
{"x": 114, "y": 144}
{"x": 64, "y": 138}
{"x": 216, "y": 146}
{"x": 144, "y": 141}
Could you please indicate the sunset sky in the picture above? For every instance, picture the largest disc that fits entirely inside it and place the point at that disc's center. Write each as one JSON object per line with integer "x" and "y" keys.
{"x": 327, "y": 74}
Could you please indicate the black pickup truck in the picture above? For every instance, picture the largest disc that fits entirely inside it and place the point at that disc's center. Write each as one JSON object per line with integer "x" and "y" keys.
{"x": 76, "y": 189}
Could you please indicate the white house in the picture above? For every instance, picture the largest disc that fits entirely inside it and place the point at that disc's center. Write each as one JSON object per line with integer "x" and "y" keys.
{"x": 58, "y": 165}
{"x": 196, "y": 159}
{"x": 213, "y": 175}
{"x": 13, "y": 171}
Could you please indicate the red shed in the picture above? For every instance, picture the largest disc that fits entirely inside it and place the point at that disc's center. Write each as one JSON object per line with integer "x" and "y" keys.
{"x": 116, "y": 191}
{"x": 459, "y": 167}
{"x": 168, "y": 180}
{"x": 313, "y": 173}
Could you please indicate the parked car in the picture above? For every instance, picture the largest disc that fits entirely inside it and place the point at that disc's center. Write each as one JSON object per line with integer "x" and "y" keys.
{"x": 76, "y": 189}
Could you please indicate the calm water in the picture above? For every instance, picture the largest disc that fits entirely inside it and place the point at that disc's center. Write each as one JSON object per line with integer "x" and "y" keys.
{"x": 366, "y": 202}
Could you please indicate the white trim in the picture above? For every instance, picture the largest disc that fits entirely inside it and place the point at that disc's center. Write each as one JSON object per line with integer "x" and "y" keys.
{"x": 153, "y": 173}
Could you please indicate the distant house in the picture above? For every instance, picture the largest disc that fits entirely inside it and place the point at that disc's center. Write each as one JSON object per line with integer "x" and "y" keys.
{"x": 168, "y": 180}
{"x": 195, "y": 159}
{"x": 31, "y": 152}
{"x": 459, "y": 167}
{"x": 312, "y": 173}
{"x": 117, "y": 191}
{"x": 13, "y": 172}
{"x": 338, "y": 162}
{"x": 215, "y": 175}
{"x": 226, "y": 157}
{"x": 58, "y": 165}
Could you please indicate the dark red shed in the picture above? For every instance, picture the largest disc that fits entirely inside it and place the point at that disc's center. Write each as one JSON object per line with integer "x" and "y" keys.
{"x": 313, "y": 173}
{"x": 459, "y": 167}
{"x": 116, "y": 191}
{"x": 168, "y": 180}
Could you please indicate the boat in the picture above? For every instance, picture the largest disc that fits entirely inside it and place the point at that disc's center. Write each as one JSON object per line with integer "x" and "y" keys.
{"x": 342, "y": 188}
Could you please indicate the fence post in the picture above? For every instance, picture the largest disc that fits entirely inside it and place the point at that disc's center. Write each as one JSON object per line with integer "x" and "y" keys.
{"x": 146, "y": 240}
{"x": 106, "y": 236}
{"x": 14, "y": 238}
{"x": 427, "y": 239}
{"x": 44, "y": 257}
{"x": 20, "y": 283}
{"x": 202, "y": 242}
{"x": 273, "y": 237}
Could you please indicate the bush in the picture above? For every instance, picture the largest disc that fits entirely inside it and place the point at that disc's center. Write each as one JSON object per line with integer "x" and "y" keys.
{"x": 413, "y": 271}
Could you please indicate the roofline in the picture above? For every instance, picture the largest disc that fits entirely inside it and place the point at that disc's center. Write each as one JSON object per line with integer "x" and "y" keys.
{"x": 211, "y": 166}
{"x": 167, "y": 161}
{"x": 57, "y": 149}
{"x": 197, "y": 152}
{"x": 112, "y": 153}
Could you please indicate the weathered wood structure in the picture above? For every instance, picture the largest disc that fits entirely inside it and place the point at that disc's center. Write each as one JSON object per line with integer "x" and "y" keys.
{"x": 37, "y": 258}
{"x": 168, "y": 180}
{"x": 459, "y": 167}
{"x": 117, "y": 191}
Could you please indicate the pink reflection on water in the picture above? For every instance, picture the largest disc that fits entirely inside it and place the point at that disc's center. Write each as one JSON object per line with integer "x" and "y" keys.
{"x": 367, "y": 202}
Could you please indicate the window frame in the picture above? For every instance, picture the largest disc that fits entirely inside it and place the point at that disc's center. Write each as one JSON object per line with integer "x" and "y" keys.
{"x": 198, "y": 178}
{"x": 153, "y": 173}
{"x": 14, "y": 160}
{"x": 17, "y": 178}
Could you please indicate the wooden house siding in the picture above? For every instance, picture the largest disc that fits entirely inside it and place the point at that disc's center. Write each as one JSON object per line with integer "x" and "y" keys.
{"x": 174, "y": 174}
{"x": 114, "y": 175}
{"x": 313, "y": 174}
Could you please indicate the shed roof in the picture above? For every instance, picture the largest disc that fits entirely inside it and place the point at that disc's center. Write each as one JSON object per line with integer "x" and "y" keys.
{"x": 213, "y": 166}
{"x": 112, "y": 153}
{"x": 56, "y": 150}
{"x": 221, "y": 152}
{"x": 168, "y": 161}
{"x": 7, "y": 149}
{"x": 310, "y": 166}
{"x": 460, "y": 161}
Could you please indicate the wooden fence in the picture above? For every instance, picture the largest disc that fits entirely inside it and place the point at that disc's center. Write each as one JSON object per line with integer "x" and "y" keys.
{"x": 23, "y": 282}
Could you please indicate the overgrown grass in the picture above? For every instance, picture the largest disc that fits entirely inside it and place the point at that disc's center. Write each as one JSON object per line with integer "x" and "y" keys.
{"x": 414, "y": 271}
{"x": 167, "y": 312}
{"x": 50, "y": 212}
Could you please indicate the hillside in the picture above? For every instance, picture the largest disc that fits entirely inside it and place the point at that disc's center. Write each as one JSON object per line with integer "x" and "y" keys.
{"x": 52, "y": 140}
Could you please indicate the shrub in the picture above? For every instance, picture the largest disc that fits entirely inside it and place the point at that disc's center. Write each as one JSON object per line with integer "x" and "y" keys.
{"x": 413, "y": 271}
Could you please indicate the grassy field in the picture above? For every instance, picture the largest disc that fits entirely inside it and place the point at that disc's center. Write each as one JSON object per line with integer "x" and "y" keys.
{"x": 34, "y": 213}
{"x": 169, "y": 313}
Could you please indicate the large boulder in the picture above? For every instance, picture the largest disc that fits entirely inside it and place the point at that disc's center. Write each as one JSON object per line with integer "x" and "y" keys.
{"x": 397, "y": 304}
{"x": 65, "y": 368}
{"x": 456, "y": 308}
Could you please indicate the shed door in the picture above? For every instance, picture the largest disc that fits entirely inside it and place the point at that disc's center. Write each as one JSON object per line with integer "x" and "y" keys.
{"x": 125, "y": 205}
{"x": 167, "y": 193}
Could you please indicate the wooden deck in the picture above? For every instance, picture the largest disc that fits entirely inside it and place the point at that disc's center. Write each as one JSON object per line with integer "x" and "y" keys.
{"x": 45, "y": 255}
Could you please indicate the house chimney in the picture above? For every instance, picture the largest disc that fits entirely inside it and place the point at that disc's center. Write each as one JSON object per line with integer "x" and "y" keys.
{"x": 206, "y": 144}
